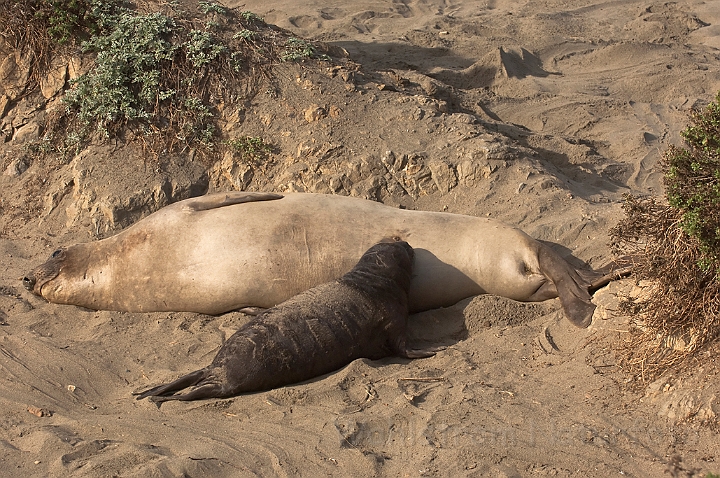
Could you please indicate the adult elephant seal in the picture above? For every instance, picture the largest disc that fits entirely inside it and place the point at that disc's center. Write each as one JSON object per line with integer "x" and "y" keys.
{"x": 362, "y": 314}
{"x": 226, "y": 251}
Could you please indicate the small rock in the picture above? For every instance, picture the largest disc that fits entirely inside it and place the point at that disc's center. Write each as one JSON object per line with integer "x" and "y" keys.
{"x": 337, "y": 183}
{"x": 547, "y": 183}
{"x": 293, "y": 187}
{"x": 239, "y": 174}
{"x": 14, "y": 74}
{"x": 39, "y": 412}
{"x": 55, "y": 80}
{"x": 464, "y": 118}
{"x": 369, "y": 188}
{"x": 26, "y": 133}
{"x": 4, "y": 100}
{"x": 468, "y": 173}
{"x": 444, "y": 176}
{"x": 16, "y": 168}
{"x": 77, "y": 67}
{"x": 335, "y": 111}
{"x": 348, "y": 76}
{"x": 393, "y": 162}
{"x": 418, "y": 114}
{"x": 315, "y": 113}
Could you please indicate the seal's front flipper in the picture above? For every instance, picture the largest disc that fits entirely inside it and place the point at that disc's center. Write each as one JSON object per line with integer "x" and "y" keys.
{"x": 216, "y": 200}
{"x": 572, "y": 289}
{"x": 252, "y": 310}
{"x": 421, "y": 353}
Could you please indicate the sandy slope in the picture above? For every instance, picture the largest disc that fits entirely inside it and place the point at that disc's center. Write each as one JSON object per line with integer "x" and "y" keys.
{"x": 568, "y": 104}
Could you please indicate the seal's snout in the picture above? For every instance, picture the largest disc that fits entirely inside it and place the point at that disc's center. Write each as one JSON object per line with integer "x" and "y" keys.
{"x": 29, "y": 282}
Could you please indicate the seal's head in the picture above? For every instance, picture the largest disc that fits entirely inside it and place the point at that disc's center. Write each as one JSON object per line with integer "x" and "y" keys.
{"x": 386, "y": 261}
{"x": 41, "y": 275}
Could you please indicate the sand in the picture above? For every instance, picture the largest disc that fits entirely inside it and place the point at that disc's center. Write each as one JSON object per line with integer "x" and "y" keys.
{"x": 539, "y": 113}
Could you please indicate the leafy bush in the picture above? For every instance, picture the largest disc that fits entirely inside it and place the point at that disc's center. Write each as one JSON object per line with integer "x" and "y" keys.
{"x": 211, "y": 7}
{"x": 251, "y": 149}
{"x": 693, "y": 182}
{"x": 126, "y": 81}
{"x": 298, "y": 50}
{"x": 65, "y": 21}
{"x": 675, "y": 249}
{"x": 159, "y": 75}
{"x": 202, "y": 48}
{"x": 41, "y": 29}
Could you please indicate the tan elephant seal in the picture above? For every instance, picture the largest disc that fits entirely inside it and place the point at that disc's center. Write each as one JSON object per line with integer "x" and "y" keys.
{"x": 226, "y": 251}
{"x": 361, "y": 315}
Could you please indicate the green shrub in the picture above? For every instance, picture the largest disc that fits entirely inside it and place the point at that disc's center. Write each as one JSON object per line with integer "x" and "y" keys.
{"x": 692, "y": 181}
{"x": 298, "y": 50}
{"x": 202, "y": 48}
{"x": 125, "y": 83}
{"x": 211, "y": 7}
{"x": 152, "y": 72}
{"x": 675, "y": 249}
{"x": 251, "y": 149}
{"x": 71, "y": 20}
{"x": 159, "y": 75}
{"x": 42, "y": 29}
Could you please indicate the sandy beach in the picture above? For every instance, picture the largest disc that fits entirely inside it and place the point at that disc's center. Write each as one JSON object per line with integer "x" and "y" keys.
{"x": 539, "y": 113}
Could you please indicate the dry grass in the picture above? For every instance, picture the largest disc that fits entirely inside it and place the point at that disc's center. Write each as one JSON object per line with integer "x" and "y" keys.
{"x": 677, "y": 314}
{"x": 26, "y": 31}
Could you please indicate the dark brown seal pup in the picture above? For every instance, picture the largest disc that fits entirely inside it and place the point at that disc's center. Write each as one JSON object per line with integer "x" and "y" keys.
{"x": 362, "y": 314}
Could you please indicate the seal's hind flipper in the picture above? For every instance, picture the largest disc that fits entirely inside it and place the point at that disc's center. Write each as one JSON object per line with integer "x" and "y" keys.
{"x": 572, "y": 289}
{"x": 183, "y": 382}
{"x": 216, "y": 200}
{"x": 209, "y": 390}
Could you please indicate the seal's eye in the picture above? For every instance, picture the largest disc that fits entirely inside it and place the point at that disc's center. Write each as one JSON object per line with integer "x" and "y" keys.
{"x": 56, "y": 254}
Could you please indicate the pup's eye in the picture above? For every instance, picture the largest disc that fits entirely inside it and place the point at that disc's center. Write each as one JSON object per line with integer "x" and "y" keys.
{"x": 56, "y": 253}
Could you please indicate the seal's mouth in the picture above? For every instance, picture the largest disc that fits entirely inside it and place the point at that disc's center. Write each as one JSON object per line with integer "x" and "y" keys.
{"x": 35, "y": 284}
{"x": 38, "y": 278}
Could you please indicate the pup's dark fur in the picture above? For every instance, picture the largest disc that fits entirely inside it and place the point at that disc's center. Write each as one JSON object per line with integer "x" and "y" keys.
{"x": 362, "y": 314}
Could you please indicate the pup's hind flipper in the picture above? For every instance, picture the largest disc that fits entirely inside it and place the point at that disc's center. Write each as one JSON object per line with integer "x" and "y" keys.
{"x": 183, "y": 382}
{"x": 209, "y": 390}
